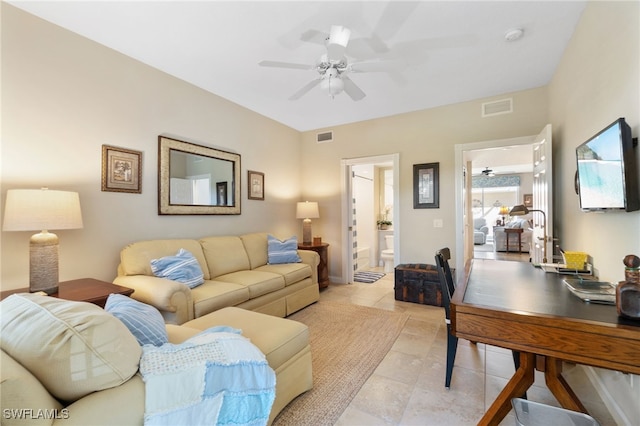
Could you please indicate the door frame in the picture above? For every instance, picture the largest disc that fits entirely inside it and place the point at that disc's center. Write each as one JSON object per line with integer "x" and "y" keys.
{"x": 461, "y": 225}
{"x": 347, "y": 207}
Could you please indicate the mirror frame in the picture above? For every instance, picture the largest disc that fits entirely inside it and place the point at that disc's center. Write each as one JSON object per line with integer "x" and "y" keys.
{"x": 165, "y": 145}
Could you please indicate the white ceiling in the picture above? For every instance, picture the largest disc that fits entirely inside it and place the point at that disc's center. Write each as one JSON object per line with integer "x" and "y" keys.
{"x": 451, "y": 51}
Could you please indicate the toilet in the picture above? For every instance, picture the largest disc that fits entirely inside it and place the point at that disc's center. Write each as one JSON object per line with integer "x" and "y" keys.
{"x": 387, "y": 254}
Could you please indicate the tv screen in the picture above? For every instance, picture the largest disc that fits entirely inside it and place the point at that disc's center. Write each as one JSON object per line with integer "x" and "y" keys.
{"x": 607, "y": 178}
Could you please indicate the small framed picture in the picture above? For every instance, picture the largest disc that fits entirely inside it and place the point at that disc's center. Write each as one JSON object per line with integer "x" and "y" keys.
{"x": 426, "y": 186}
{"x": 527, "y": 200}
{"x": 121, "y": 170}
{"x": 256, "y": 185}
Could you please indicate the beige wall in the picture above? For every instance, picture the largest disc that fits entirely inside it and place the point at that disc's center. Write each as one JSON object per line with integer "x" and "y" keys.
{"x": 64, "y": 96}
{"x": 597, "y": 81}
{"x": 420, "y": 137}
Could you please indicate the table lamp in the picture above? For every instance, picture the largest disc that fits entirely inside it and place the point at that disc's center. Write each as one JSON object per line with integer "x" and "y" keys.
{"x": 521, "y": 210}
{"x": 42, "y": 209}
{"x": 504, "y": 210}
{"x": 307, "y": 210}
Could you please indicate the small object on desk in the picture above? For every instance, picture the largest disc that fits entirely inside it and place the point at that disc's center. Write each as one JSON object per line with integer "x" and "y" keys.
{"x": 628, "y": 291}
{"x": 592, "y": 291}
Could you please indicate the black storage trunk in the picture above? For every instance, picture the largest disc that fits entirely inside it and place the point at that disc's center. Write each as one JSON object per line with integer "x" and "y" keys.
{"x": 418, "y": 283}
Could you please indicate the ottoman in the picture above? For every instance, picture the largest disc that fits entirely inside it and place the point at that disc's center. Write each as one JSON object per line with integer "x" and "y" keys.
{"x": 284, "y": 342}
{"x": 418, "y": 283}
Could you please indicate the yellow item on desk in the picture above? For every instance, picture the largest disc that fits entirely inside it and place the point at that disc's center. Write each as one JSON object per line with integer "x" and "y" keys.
{"x": 575, "y": 259}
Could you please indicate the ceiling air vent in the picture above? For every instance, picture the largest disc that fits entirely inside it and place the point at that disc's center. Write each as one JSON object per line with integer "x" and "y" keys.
{"x": 324, "y": 137}
{"x": 503, "y": 106}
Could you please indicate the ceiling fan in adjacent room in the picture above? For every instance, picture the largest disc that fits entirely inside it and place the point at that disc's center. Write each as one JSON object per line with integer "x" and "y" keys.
{"x": 488, "y": 172}
{"x": 333, "y": 67}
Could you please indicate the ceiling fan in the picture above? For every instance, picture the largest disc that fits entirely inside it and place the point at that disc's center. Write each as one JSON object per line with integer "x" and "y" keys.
{"x": 488, "y": 172}
{"x": 333, "y": 66}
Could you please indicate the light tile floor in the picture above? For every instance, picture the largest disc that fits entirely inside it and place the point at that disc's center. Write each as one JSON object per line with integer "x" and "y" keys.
{"x": 407, "y": 388}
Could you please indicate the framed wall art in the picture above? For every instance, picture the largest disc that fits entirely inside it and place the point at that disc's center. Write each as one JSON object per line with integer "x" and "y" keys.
{"x": 121, "y": 170}
{"x": 426, "y": 186}
{"x": 256, "y": 185}
{"x": 527, "y": 200}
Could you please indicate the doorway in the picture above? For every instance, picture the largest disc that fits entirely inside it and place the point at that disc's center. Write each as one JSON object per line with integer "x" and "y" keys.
{"x": 378, "y": 205}
{"x": 467, "y": 157}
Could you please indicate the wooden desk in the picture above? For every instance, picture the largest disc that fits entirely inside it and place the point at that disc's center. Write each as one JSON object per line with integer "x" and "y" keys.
{"x": 81, "y": 290}
{"x": 323, "y": 266}
{"x": 516, "y": 306}
{"x": 518, "y": 232}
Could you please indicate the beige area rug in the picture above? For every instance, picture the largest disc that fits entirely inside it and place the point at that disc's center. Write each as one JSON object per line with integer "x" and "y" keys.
{"x": 347, "y": 344}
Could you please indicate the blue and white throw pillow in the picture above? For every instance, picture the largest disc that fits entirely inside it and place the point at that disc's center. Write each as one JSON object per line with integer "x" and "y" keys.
{"x": 183, "y": 267}
{"x": 143, "y": 321}
{"x": 282, "y": 251}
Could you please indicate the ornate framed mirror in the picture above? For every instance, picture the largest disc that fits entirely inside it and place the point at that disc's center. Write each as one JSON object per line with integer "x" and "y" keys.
{"x": 195, "y": 179}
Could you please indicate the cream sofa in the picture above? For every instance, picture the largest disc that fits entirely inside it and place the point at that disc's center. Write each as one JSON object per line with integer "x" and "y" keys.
{"x": 72, "y": 363}
{"x": 236, "y": 273}
{"x": 500, "y": 237}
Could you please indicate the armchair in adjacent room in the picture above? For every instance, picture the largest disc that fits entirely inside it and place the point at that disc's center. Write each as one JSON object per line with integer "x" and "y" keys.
{"x": 480, "y": 230}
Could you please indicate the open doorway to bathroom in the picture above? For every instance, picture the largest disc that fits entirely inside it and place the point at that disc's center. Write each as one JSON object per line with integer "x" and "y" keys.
{"x": 370, "y": 200}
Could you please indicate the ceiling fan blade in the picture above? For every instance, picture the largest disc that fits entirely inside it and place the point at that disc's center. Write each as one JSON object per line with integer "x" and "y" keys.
{"x": 306, "y": 88}
{"x": 352, "y": 89}
{"x": 393, "y": 18}
{"x": 314, "y": 36}
{"x": 277, "y": 64}
{"x": 338, "y": 40}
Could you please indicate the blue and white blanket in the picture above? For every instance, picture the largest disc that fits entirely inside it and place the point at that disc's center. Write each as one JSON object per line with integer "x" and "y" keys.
{"x": 217, "y": 377}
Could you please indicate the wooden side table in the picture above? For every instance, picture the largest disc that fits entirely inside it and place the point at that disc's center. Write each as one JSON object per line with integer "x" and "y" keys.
{"x": 517, "y": 231}
{"x": 81, "y": 290}
{"x": 323, "y": 267}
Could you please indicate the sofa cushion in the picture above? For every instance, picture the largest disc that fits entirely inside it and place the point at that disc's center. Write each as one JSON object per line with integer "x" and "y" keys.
{"x": 182, "y": 267}
{"x": 144, "y": 321}
{"x": 225, "y": 255}
{"x": 256, "y": 246}
{"x": 72, "y": 348}
{"x": 282, "y": 251}
{"x": 258, "y": 282}
{"x": 292, "y": 272}
{"x": 19, "y": 389}
{"x": 214, "y": 295}
{"x": 135, "y": 259}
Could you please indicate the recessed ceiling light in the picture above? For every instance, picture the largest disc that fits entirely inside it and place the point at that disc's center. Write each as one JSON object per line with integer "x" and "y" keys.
{"x": 514, "y": 34}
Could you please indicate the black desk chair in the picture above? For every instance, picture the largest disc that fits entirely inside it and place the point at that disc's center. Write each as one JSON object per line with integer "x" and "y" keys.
{"x": 448, "y": 287}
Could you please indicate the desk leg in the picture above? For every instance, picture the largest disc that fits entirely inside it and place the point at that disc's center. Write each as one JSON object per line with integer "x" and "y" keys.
{"x": 515, "y": 388}
{"x": 559, "y": 387}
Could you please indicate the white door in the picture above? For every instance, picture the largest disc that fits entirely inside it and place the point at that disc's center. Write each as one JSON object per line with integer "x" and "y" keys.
{"x": 542, "y": 199}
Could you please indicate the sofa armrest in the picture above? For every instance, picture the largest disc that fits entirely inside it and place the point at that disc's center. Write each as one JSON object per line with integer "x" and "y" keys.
{"x": 312, "y": 259}
{"x": 171, "y": 298}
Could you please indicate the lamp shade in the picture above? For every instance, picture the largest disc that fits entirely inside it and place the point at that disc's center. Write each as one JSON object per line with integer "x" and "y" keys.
{"x": 504, "y": 210}
{"x": 41, "y": 209}
{"x": 307, "y": 210}
{"x": 519, "y": 210}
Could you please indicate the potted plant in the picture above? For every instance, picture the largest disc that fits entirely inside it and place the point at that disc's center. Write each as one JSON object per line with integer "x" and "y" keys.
{"x": 384, "y": 224}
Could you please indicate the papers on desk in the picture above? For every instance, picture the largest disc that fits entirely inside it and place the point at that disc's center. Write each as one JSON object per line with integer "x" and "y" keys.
{"x": 592, "y": 291}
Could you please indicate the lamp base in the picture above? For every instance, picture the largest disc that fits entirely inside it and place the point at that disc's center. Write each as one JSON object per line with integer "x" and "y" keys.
{"x": 306, "y": 232}
{"x": 43, "y": 263}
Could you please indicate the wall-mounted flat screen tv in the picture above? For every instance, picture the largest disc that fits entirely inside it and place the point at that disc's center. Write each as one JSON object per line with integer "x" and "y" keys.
{"x": 607, "y": 177}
